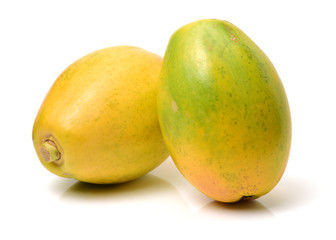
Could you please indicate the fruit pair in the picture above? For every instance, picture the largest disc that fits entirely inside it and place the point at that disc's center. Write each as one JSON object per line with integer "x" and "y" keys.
{"x": 216, "y": 98}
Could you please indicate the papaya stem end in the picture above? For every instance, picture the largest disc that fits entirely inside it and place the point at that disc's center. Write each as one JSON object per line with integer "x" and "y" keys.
{"x": 49, "y": 151}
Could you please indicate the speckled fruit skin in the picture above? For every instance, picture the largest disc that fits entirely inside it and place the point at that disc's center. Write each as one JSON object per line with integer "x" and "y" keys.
{"x": 101, "y": 113}
{"x": 223, "y": 111}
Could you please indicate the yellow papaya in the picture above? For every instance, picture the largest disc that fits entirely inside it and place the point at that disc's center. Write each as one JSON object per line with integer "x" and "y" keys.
{"x": 98, "y": 122}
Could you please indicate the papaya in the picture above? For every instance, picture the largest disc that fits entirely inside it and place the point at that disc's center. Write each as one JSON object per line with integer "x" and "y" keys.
{"x": 223, "y": 111}
{"x": 98, "y": 123}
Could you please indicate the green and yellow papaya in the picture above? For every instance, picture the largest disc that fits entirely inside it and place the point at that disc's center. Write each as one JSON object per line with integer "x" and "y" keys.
{"x": 223, "y": 111}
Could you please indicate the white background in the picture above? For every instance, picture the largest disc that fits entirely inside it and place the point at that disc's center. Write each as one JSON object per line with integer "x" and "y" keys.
{"x": 39, "y": 39}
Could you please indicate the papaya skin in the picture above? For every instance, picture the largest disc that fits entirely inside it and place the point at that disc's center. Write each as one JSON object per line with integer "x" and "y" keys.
{"x": 98, "y": 122}
{"x": 223, "y": 111}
